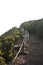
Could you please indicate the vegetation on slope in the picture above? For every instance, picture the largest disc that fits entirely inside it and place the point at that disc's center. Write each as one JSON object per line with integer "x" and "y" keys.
{"x": 7, "y": 41}
{"x": 34, "y": 27}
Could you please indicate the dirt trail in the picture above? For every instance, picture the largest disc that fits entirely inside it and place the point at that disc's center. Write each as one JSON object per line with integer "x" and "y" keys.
{"x": 35, "y": 51}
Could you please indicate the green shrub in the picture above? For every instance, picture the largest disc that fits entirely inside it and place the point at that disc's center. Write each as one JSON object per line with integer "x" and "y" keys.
{"x": 39, "y": 31}
{"x": 2, "y": 61}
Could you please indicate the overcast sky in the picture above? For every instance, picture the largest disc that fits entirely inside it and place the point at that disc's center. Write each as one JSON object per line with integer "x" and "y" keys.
{"x": 14, "y": 12}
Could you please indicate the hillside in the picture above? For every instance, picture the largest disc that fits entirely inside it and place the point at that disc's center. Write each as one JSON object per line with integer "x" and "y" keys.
{"x": 34, "y": 27}
{"x": 7, "y": 42}
{"x": 16, "y": 35}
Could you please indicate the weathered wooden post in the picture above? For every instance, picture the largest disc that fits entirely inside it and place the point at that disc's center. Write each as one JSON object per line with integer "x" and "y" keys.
{"x": 22, "y": 48}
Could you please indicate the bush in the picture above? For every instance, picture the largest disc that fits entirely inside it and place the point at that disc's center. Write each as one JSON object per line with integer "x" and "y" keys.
{"x": 2, "y": 61}
{"x": 34, "y": 27}
{"x": 39, "y": 31}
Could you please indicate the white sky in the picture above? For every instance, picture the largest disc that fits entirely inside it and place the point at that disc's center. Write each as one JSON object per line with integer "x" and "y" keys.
{"x": 14, "y": 12}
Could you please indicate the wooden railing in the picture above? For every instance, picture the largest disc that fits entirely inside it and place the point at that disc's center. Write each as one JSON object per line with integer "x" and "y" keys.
{"x": 20, "y": 49}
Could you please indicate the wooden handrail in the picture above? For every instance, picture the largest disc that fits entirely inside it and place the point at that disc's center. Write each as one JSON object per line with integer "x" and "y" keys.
{"x": 21, "y": 46}
{"x": 17, "y": 53}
